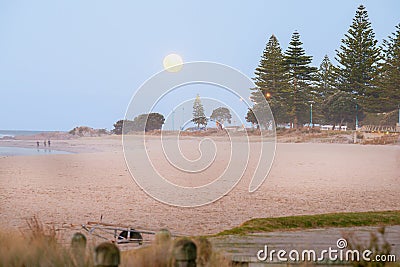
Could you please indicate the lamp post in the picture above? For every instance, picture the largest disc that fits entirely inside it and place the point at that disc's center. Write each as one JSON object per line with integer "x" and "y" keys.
{"x": 398, "y": 106}
{"x": 183, "y": 118}
{"x": 355, "y": 101}
{"x": 356, "y": 116}
{"x": 311, "y": 123}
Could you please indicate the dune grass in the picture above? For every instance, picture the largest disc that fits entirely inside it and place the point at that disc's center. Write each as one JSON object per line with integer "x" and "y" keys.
{"x": 37, "y": 246}
{"x": 258, "y": 225}
{"x": 160, "y": 255}
{"x": 40, "y": 247}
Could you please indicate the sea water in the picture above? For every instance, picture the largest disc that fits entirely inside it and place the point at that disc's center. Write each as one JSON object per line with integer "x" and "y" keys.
{"x": 12, "y": 133}
{"x": 21, "y": 151}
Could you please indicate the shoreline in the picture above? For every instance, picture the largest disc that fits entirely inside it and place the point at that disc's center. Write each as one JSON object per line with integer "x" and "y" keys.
{"x": 82, "y": 144}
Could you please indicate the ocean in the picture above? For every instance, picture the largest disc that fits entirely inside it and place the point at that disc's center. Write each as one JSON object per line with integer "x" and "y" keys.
{"x": 12, "y": 133}
{"x": 21, "y": 151}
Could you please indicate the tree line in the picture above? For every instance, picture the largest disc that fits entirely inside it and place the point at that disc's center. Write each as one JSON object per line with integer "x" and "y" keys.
{"x": 155, "y": 121}
{"x": 365, "y": 80}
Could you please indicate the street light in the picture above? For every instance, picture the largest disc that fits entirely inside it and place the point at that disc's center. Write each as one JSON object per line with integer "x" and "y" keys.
{"x": 355, "y": 100}
{"x": 356, "y": 116}
{"x": 311, "y": 117}
{"x": 398, "y": 106}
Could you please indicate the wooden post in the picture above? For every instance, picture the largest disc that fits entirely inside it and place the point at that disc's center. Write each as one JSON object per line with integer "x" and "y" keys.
{"x": 78, "y": 248}
{"x": 204, "y": 251}
{"x": 184, "y": 253}
{"x": 163, "y": 236}
{"x": 106, "y": 255}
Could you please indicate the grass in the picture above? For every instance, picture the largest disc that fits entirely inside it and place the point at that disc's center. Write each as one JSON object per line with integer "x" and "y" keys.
{"x": 39, "y": 245}
{"x": 380, "y": 218}
{"x": 160, "y": 255}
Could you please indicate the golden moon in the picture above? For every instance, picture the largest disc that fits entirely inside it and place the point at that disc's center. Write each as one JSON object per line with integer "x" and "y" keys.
{"x": 173, "y": 63}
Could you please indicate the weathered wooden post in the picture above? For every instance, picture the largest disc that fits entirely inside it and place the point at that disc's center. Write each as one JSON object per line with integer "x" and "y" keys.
{"x": 184, "y": 253}
{"x": 162, "y": 236}
{"x": 204, "y": 251}
{"x": 78, "y": 248}
{"x": 106, "y": 255}
{"x": 78, "y": 241}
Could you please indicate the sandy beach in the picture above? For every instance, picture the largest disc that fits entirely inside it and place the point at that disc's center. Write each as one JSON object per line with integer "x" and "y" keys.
{"x": 305, "y": 179}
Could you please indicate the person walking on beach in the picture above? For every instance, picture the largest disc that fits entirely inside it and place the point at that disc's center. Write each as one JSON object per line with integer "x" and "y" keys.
{"x": 48, "y": 142}
{"x": 44, "y": 142}
{"x": 37, "y": 143}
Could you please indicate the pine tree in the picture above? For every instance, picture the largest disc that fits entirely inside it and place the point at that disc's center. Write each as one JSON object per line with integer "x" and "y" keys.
{"x": 390, "y": 78}
{"x": 340, "y": 107}
{"x": 326, "y": 86}
{"x": 358, "y": 58}
{"x": 271, "y": 79}
{"x": 327, "y": 78}
{"x": 301, "y": 76}
{"x": 251, "y": 117}
{"x": 199, "y": 116}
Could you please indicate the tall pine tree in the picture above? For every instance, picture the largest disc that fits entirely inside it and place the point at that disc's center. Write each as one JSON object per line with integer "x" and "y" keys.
{"x": 326, "y": 86}
{"x": 327, "y": 77}
{"x": 358, "y": 58}
{"x": 271, "y": 79}
{"x": 390, "y": 78}
{"x": 301, "y": 76}
{"x": 199, "y": 116}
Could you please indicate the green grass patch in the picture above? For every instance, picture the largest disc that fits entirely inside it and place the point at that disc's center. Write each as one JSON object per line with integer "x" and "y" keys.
{"x": 259, "y": 225}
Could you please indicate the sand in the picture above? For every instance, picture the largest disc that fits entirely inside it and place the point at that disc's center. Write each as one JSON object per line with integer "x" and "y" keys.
{"x": 305, "y": 179}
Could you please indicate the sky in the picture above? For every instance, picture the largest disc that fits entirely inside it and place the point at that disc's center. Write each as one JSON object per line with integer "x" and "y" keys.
{"x": 69, "y": 63}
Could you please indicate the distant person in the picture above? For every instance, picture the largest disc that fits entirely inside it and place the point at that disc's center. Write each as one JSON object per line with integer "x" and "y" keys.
{"x": 44, "y": 143}
{"x": 48, "y": 142}
{"x": 37, "y": 143}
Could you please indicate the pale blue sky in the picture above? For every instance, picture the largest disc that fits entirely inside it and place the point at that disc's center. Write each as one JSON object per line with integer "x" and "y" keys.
{"x": 69, "y": 63}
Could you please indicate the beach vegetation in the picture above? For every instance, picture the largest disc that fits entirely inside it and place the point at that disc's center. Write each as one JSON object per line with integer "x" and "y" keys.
{"x": 365, "y": 79}
{"x": 221, "y": 115}
{"x": 199, "y": 117}
{"x": 259, "y": 225}
{"x": 141, "y": 123}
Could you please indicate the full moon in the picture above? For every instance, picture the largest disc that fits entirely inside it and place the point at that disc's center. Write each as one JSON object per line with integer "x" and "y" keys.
{"x": 173, "y": 63}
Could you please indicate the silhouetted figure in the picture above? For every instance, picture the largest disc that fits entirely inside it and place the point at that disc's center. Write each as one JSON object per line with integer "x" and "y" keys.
{"x": 48, "y": 142}
{"x": 37, "y": 143}
{"x": 44, "y": 143}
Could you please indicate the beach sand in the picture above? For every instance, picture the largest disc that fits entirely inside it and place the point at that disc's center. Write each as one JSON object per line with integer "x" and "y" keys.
{"x": 304, "y": 179}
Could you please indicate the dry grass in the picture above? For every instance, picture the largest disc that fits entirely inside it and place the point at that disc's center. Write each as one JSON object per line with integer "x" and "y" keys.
{"x": 40, "y": 246}
{"x": 383, "y": 140}
{"x": 37, "y": 246}
{"x": 159, "y": 255}
{"x": 377, "y": 244}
